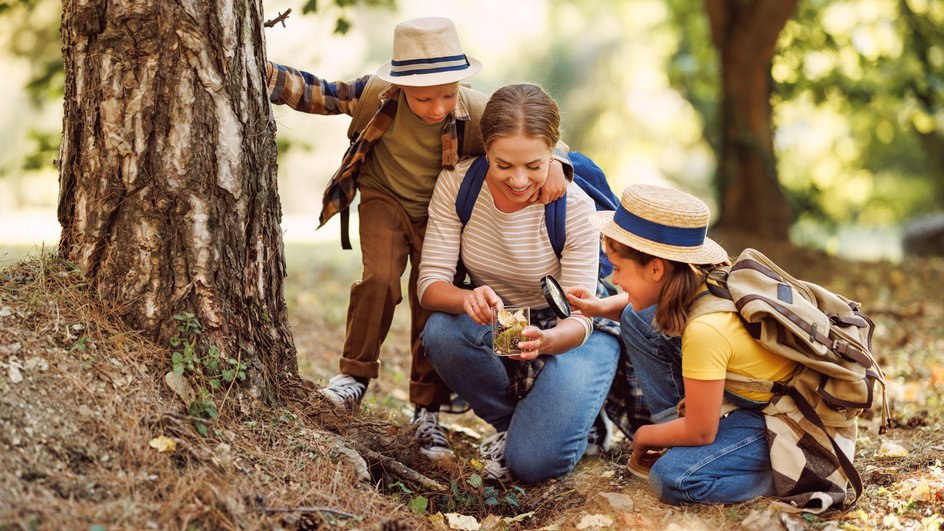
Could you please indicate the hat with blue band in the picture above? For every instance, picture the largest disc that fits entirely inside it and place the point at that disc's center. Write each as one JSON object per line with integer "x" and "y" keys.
{"x": 662, "y": 222}
{"x": 426, "y": 52}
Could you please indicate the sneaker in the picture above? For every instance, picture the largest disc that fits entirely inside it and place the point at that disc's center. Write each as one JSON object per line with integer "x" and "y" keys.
{"x": 493, "y": 452}
{"x": 456, "y": 405}
{"x": 640, "y": 467}
{"x": 344, "y": 390}
{"x": 430, "y": 435}
{"x": 601, "y": 435}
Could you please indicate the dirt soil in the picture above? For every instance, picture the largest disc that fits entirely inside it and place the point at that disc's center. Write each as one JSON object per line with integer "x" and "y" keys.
{"x": 91, "y": 437}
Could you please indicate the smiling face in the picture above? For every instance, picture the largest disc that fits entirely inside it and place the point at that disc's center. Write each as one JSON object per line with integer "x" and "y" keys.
{"x": 517, "y": 167}
{"x": 642, "y": 283}
{"x": 432, "y": 104}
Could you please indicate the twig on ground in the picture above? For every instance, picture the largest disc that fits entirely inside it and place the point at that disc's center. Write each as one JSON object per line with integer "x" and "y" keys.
{"x": 307, "y": 510}
{"x": 400, "y": 470}
{"x": 281, "y": 18}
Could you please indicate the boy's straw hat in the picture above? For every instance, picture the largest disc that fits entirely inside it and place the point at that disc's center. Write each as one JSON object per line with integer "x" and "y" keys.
{"x": 426, "y": 52}
{"x": 662, "y": 222}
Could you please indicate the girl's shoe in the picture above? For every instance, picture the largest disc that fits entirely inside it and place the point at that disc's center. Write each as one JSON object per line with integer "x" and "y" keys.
{"x": 641, "y": 467}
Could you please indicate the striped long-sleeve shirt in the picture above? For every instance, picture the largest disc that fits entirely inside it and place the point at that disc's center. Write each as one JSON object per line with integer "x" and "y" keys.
{"x": 510, "y": 252}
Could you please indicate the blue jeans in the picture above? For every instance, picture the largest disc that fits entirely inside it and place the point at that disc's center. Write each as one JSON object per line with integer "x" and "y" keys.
{"x": 547, "y": 429}
{"x": 733, "y": 468}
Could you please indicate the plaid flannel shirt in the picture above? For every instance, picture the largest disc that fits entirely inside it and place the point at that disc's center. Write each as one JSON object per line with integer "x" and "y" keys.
{"x": 624, "y": 403}
{"x": 307, "y": 93}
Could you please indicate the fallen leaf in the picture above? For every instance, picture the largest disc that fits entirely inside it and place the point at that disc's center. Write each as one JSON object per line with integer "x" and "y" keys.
{"x": 13, "y": 372}
{"x": 462, "y": 522}
{"x": 594, "y": 520}
{"x": 163, "y": 444}
{"x": 180, "y": 387}
{"x": 618, "y": 501}
{"x": 36, "y": 362}
{"x": 890, "y": 449}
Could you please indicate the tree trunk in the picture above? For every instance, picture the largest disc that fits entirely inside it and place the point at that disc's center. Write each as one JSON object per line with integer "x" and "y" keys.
{"x": 745, "y": 34}
{"x": 168, "y": 197}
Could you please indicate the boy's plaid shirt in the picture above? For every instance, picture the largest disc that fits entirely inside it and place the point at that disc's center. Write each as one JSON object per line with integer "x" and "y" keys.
{"x": 307, "y": 93}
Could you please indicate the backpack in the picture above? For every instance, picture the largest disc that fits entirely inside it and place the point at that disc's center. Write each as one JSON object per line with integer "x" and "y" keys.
{"x": 811, "y": 421}
{"x": 587, "y": 175}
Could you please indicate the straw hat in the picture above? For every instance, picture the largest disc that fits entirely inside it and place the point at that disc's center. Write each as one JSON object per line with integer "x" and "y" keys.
{"x": 426, "y": 52}
{"x": 662, "y": 222}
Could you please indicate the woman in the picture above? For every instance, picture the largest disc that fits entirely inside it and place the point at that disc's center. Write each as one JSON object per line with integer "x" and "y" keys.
{"x": 504, "y": 247}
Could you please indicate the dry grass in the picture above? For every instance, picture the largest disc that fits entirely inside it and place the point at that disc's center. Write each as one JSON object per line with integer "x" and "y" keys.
{"x": 75, "y": 432}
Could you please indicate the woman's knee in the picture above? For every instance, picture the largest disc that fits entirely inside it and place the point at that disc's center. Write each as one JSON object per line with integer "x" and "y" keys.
{"x": 534, "y": 468}
{"x": 438, "y": 333}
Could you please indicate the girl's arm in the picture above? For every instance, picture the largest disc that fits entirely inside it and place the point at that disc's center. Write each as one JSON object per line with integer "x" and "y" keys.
{"x": 698, "y": 427}
{"x": 589, "y": 304}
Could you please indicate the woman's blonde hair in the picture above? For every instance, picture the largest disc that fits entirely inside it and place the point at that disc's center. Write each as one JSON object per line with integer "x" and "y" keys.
{"x": 678, "y": 292}
{"x": 521, "y": 108}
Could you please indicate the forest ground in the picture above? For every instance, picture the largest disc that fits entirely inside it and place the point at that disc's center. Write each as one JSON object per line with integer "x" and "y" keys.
{"x": 92, "y": 438}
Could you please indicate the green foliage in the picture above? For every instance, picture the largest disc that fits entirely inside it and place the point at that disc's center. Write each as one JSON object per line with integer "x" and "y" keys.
{"x": 204, "y": 369}
{"x": 472, "y": 496}
{"x": 340, "y": 10}
{"x": 873, "y": 71}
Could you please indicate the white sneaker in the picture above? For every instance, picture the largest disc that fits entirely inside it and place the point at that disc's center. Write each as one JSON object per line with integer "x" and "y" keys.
{"x": 493, "y": 452}
{"x": 431, "y": 435}
{"x": 344, "y": 390}
{"x": 600, "y": 437}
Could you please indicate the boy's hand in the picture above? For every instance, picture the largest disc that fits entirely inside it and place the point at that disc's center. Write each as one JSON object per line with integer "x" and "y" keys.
{"x": 554, "y": 186}
{"x": 580, "y": 298}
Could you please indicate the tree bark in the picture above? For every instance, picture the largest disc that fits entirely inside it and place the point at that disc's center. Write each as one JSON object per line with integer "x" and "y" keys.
{"x": 745, "y": 34}
{"x": 168, "y": 196}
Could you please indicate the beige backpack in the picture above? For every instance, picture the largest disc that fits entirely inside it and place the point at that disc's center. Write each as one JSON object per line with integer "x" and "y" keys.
{"x": 811, "y": 421}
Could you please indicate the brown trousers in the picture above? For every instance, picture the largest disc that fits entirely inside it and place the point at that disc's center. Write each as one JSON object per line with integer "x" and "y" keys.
{"x": 388, "y": 238}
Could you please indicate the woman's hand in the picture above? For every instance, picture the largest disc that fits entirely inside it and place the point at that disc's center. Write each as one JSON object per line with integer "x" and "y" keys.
{"x": 479, "y": 302}
{"x": 531, "y": 347}
{"x": 554, "y": 186}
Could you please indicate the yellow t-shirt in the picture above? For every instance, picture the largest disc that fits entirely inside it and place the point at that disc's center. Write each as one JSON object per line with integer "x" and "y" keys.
{"x": 716, "y": 343}
{"x": 406, "y": 160}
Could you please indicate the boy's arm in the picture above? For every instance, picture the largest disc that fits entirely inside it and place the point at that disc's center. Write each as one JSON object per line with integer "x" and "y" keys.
{"x": 558, "y": 175}
{"x": 307, "y": 93}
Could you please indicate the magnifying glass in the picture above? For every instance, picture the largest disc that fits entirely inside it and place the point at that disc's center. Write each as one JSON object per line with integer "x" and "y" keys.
{"x": 555, "y": 296}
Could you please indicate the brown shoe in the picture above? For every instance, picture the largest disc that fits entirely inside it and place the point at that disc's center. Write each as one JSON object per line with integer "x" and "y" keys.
{"x": 641, "y": 468}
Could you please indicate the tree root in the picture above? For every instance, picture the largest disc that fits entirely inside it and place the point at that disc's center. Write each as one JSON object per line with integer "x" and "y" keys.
{"x": 398, "y": 469}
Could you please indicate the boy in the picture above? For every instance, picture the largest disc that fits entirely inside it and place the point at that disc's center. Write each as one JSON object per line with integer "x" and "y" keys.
{"x": 409, "y": 121}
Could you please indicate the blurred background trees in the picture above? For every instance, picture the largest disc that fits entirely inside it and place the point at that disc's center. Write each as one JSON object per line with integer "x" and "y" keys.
{"x": 856, "y": 93}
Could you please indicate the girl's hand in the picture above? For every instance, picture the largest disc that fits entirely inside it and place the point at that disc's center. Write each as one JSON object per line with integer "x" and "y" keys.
{"x": 531, "y": 345}
{"x": 554, "y": 186}
{"x": 479, "y": 302}
{"x": 580, "y": 298}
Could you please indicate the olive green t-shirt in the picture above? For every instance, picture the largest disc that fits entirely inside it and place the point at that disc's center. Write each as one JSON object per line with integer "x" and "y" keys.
{"x": 406, "y": 160}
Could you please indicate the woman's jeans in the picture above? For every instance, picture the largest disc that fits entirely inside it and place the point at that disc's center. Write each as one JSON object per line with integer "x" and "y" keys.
{"x": 548, "y": 428}
{"x": 733, "y": 468}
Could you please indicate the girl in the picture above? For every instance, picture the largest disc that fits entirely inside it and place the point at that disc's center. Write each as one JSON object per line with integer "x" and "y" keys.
{"x": 505, "y": 248}
{"x": 661, "y": 256}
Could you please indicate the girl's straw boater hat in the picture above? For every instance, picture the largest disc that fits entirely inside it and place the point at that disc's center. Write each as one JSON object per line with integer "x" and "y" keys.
{"x": 662, "y": 222}
{"x": 426, "y": 52}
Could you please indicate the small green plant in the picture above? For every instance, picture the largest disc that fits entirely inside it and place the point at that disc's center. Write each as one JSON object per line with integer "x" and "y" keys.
{"x": 418, "y": 504}
{"x": 206, "y": 370}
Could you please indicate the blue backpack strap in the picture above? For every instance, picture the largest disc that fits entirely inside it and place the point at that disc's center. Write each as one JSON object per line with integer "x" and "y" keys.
{"x": 555, "y": 218}
{"x": 469, "y": 189}
{"x": 555, "y": 212}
